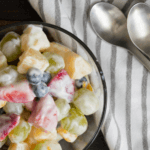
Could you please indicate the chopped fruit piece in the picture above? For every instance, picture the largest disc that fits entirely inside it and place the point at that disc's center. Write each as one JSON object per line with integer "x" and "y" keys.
{"x": 19, "y": 146}
{"x": 81, "y": 82}
{"x": 17, "y": 93}
{"x": 13, "y": 108}
{"x": 84, "y": 84}
{"x": 89, "y": 87}
{"x": 45, "y": 114}
{"x": 30, "y": 105}
{"x": 46, "y": 77}
{"x": 63, "y": 108}
{"x": 40, "y": 90}
{"x": 77, "y": 67}
{"x": 48, "y": 145}
{"x": 76, "y": 122}
{"x": 34, "y": 76}
{"x": 66, "y": 135}
{"x": 86, "y": 101}
{"x": 32, "y": 58}
{"x": 10, "y": 46}
{"x": 30, "y": 140}
{"x": 20, "y": 132}
{"x": 2, "y": 103}
{"x": 7, "y": 123}
{"x": 59, "y": 137}
{"x": 41, "y": 135}
{"x": 56, "y": 62}
{"x": 34, "y": 37}
{"x": 8, "y": 75}
{"x": 3, "y": 61}
{"x": 62, "y": 86}
{"x": 3, "y": 142}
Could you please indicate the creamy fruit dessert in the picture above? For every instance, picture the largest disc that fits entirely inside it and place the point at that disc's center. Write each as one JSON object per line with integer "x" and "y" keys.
{"x": 52, "y": 98}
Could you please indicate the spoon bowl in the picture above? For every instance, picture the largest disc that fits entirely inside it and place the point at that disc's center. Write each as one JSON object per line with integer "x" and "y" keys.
{"x": 109, "y": 23}
{"x": 138, "y": 24}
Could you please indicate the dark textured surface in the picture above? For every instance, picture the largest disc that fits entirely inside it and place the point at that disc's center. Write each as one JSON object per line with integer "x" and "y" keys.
{"x": 20, "y": 10}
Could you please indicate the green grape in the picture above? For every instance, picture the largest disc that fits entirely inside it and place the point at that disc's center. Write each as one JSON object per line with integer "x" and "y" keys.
{"x": 8, "y": 75}
{"x": 56, "y": 62}
{"x": 76, "y": 122}
{"x": 10, "y": 46}
{"x": 86, "y": 101}
{"x": 48, "y": 145}
{"x": 3, "y": 142}
{"x": 13, "y": 108}
{"x": 3, "y": 61}
{"x": 8, "y": 37}
{"x": 63, "y": 108}
{"x": 20, "y": 132}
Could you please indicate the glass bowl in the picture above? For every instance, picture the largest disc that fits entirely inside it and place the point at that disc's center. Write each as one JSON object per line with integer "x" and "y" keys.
{"x": 95, "y": 121}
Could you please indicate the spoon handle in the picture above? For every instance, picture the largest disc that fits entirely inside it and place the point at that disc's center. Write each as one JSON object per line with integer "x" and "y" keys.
{"x": 139, "y": 55}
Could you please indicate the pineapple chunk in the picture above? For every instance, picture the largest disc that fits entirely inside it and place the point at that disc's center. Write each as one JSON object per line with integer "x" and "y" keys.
{"x": 32, "y": 58}
{"x": 78, "y": 67}
{"x": 2, "y": 103}
{"x": 34, "y": 37}
{"x": 40, "y": 135}
{"x": 30, "y": 140}
{"x": 18, "y": 146}
{"x": 59, "y": 137}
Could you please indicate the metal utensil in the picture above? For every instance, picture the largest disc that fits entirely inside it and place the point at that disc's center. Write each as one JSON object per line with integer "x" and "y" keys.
{"x": 138, "y": 25}
{"x": 110, "y": 24}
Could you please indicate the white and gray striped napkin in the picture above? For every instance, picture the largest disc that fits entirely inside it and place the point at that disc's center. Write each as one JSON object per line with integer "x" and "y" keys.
{"x": 127, "y": 123}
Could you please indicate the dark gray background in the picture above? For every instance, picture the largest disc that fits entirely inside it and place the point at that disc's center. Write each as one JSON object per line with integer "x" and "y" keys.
{"x": 20, "y": 10}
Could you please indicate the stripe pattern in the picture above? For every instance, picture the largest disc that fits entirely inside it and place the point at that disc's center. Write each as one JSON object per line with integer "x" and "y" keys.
{"x": 128, "y": 100}
{"x": 127, "y": 122}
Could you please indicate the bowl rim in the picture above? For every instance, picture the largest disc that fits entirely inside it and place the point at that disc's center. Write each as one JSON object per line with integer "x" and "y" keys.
{"x": 89, "y": 52}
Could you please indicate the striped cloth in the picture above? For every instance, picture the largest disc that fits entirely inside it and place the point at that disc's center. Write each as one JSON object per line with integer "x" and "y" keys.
{"x": 127, "y": 123}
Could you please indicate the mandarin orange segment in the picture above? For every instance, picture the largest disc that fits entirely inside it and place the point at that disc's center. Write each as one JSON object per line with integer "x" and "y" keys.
{"x": 84, "y": 84}
{"x": 89, "y": 87}
{"x": 66, "y": 135}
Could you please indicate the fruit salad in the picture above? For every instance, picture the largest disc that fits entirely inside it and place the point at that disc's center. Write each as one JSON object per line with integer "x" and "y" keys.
{"x": 47, "y": 96}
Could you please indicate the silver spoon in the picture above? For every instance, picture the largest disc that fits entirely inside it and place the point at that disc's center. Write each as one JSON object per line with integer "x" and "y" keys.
{"x": 138, "y": 24}
{"x": 110, "y": 24}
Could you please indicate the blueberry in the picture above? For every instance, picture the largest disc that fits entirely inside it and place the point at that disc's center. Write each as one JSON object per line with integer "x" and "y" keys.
{"x": 34, "y": 76}
{"x": 40, "y": 90}
{"x": 79, "y": 82}
{"x": 46, "y": 77}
